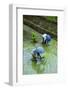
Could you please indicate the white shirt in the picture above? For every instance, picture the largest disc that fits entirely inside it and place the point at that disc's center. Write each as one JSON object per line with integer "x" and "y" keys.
{"x": 44, "y": 36}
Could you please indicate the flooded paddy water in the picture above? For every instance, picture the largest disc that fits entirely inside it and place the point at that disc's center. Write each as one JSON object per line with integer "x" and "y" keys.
{"x": 48, "y": 64}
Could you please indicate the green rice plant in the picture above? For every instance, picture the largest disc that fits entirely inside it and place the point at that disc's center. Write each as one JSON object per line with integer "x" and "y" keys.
{"x": 34, "y": 38}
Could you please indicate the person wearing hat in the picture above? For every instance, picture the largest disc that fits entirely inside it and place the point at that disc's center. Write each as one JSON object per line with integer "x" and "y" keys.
{"x": 36, "y": 53}
{"x": 46, "y": 38}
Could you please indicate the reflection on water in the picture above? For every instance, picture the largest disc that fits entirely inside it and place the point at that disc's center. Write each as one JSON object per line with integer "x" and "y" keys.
{"x": 48, "y": 64}
{"x": 39, "y": 67}
{"x": 31, "y": 65}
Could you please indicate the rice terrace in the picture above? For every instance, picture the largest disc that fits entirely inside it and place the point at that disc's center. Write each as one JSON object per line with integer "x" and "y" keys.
{"x": 39, "y": 44}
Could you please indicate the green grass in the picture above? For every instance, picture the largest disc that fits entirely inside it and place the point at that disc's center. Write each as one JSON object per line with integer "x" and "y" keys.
{"x": 51, "y": 18}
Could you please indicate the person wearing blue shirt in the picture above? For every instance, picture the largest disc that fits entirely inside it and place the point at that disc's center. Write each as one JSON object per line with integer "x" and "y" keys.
{"x": 46, "y": 38}
{"x": 36, "y": 53}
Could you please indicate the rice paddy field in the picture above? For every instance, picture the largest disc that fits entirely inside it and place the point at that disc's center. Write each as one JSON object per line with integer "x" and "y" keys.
{"x": 48, "y": 64}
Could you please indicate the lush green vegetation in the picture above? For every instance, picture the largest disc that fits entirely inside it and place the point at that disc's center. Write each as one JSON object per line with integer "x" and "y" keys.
{"x": 34, "y": 37}
{"x": 52, "y": 18}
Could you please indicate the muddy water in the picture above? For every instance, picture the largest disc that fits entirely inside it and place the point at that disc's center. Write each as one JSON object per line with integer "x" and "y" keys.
{"x": 48, "y": 63}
